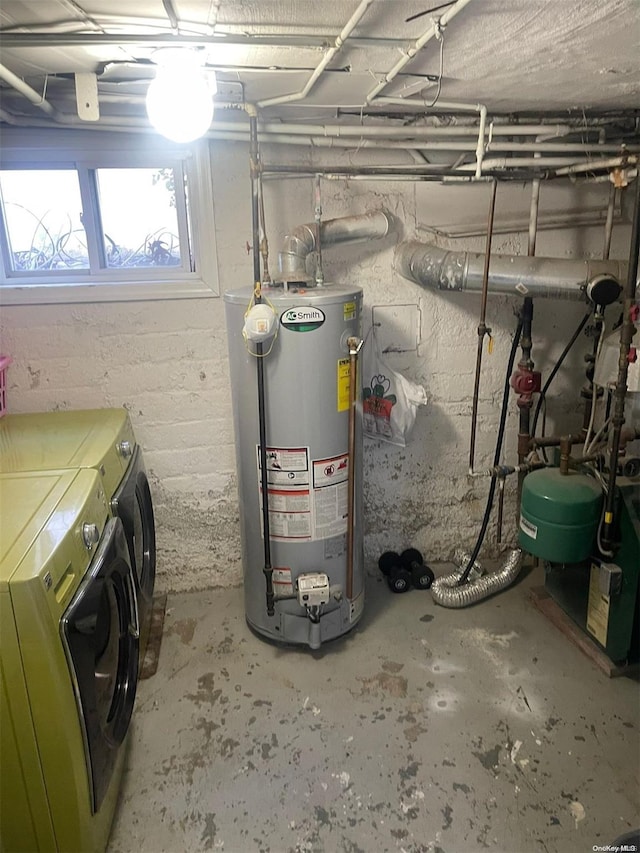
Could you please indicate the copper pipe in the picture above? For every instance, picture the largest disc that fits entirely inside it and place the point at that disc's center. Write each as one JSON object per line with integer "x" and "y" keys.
{"x": 482, "y": 329}
{"x": 500, "y": 509}
{"x": 551, "y": 441}
{"x": 565, "y": 453}
{"x": 355, "y": 345}
{"x": 626, "y": 334}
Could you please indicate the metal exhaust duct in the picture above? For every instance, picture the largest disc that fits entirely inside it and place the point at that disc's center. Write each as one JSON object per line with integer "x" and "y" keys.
{"x": 301, "y": 241}
{"x": 552, "y": 278}
{"x": 446, "y": 592}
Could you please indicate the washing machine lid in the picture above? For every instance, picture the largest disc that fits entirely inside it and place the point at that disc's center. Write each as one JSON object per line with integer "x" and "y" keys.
{"x": 90, "y": 438}
{"x": 43, "y": 514}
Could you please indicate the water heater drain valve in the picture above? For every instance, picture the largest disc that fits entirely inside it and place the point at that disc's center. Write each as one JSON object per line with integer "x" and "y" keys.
{"x": 313, "y": 589}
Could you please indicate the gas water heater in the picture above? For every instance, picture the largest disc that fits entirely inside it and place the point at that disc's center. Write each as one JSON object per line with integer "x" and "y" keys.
{"x": 319, "y": 589}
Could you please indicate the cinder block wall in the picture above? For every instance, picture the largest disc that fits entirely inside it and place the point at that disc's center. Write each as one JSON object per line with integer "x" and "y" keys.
{"x": 166, "y": 362}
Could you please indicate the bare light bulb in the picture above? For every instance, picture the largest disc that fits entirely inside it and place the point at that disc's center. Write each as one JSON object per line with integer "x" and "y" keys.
{"x": 180, "y": 98}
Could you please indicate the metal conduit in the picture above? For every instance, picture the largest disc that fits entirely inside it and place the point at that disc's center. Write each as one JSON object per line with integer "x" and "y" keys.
{"x": 299, "y": 242}
{"x": 553, "y": 278}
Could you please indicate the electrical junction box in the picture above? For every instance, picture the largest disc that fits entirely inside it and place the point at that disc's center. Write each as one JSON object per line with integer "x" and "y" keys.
{"x": 313, "y": 589}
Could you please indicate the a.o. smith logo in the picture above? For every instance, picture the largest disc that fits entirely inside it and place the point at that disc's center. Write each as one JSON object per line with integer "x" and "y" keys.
{"x": 302, "y": 319}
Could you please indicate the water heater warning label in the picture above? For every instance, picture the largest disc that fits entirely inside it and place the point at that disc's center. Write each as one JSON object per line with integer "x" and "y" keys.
{"x": 282, "y": 582}
{"x": 290, "y": 509}
{"x": 597, "y": 608}
{"x": 330, "y": 496}
{"x": 307, "y": 498}
{"x": 343, "y": 384}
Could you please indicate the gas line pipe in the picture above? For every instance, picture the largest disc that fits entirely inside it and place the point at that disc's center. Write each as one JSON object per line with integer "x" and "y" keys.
{"x": 262, "y": 415}
{"x": 355, "y": 345}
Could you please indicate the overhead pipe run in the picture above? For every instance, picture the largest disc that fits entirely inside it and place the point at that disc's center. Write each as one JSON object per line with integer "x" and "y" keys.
{"x": 551, "y": 278}
{"x": 301, "y": 241}
{"x": 326, "y": 59}
{"x": 433, "y": 31}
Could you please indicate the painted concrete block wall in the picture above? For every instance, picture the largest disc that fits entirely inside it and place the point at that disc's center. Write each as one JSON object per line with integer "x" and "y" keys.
{"x": 166, "y": 362}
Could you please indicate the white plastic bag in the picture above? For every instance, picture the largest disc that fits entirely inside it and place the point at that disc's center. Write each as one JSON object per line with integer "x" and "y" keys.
{"x": 389, "y": 400}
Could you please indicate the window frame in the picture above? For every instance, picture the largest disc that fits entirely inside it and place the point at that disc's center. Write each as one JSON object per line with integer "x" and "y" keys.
{"x": 84, "y": 152}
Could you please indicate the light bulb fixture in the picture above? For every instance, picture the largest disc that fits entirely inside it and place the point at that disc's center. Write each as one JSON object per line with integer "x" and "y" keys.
{"x": 180, "y": 98}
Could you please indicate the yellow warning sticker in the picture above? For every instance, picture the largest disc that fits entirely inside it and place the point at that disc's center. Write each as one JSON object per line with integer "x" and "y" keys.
{"x": 349, "y": 311}
{"x": 597, "y": 608}
{"x": 343, "y": 385}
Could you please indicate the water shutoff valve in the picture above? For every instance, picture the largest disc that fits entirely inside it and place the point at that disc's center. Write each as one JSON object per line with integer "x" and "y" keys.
{"x": 313, "y": 589}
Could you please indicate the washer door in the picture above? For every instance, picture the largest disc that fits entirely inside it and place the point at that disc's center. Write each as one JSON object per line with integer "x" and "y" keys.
{"x": 132, "y": 504}
{"x": 100, "y": 634}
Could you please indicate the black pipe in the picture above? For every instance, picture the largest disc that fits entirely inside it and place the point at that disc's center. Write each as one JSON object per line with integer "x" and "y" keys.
{"x": 262, "y": 415}
{"x": 626, "y": 334}
{"x": 556, "y": 368}
{"x": 482, "y": 328}
{"x": 497, "y": 454}
{"x": 419, "y": 172}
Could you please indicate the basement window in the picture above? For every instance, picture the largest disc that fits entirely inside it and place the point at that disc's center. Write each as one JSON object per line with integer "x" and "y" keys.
{"x": 95, "y": 217}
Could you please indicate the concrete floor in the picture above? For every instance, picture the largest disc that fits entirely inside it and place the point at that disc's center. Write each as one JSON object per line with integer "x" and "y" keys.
{"x": 424, "y": 730}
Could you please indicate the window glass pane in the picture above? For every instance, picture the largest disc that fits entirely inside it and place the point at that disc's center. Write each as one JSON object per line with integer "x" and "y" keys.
{"x": 43, "y": 219}
{"x": 139, "y": 217}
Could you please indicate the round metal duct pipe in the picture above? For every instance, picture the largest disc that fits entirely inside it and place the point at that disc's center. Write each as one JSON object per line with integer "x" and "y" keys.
{"x": 301, "y": 241}
{"x": 553, "y": 278}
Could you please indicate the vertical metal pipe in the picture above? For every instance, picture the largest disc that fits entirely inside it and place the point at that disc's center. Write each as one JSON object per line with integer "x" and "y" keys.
{"x": 620, "y": 393}
{"x": 318, "y": 221}
{"x": 608, "y": 226}
{"x": 500, "y": 510}
{"x": 482, "y": 329}
{"x": 262, "y": 415}
{"x": 526, "y": 344}
{"x": 591, "y": 392}
{"x": 264, "y": 242}
{"x": 354, "y": 348}
{"x": 533, "y": 217}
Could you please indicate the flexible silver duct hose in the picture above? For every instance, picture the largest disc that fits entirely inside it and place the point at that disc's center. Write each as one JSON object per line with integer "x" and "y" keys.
{"x": 348, "y": 229}
{"x": 447, "y": 593}
{"x": 461, "y": 558}
{"x": 554, "y": 278}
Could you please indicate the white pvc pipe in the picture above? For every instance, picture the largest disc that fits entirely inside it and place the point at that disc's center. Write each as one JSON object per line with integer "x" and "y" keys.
{"x": 522, "y": 162}
{"x": 412, "y": 51}
{"x": 612, "y": 163}
{"x": 420, "y": 103}
{"x": 480, "y": 148}
{"x": 321, "y": 130}
{"x": 340, "y": 40}
{"x": 335, "y": 142}
{"x": 30, "y": 94}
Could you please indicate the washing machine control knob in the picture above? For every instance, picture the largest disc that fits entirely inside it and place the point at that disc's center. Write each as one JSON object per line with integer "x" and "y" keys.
{"x": 90, "y": 535}
{"x": 124, "y": 449}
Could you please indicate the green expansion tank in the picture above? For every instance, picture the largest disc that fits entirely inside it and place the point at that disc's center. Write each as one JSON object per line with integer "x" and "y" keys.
{"x": 559, "y": 515}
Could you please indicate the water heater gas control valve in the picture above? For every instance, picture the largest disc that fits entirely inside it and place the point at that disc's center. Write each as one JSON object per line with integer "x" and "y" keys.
{"x": 313, "y": 589}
